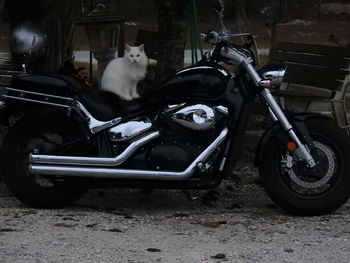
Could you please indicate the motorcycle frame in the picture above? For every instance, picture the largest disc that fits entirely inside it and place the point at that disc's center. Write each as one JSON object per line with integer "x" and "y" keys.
{"x": 240, "y": 103}
{"x": 95, "y": 126}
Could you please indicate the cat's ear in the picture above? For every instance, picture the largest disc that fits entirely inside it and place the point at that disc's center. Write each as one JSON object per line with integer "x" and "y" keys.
{"x": 127, "y": 48}
{"x": 142, "y": 47}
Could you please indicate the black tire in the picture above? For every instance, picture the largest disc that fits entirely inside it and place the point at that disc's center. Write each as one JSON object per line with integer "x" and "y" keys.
{"x": 309, "y": 191}
{"x": 45, "y": 134}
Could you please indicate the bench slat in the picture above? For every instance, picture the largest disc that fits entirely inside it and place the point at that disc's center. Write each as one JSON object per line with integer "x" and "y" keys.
{"x": 328, "y": 61}
{"x": 321, "y": 94}
{"x": 313, "y": 49}
{"x": 310, "y": 80}
{"x": 322, "y": 73}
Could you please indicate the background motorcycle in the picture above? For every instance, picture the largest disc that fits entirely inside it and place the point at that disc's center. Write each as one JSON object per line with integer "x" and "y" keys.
{"x": 184, "y": 135}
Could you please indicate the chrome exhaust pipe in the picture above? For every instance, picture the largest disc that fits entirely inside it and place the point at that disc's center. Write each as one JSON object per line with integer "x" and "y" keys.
{"x": 94, "y": 161}
{"x": 128, "y": 173}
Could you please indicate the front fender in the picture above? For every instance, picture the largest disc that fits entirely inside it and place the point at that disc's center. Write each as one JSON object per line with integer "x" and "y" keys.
{"x": 297, "y": 120}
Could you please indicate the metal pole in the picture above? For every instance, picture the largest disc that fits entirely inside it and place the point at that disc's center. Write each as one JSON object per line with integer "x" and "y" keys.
{"x": 90, "y": 53}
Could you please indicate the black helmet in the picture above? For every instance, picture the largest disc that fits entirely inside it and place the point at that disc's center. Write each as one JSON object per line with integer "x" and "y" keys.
{"x": 28, "y": 42}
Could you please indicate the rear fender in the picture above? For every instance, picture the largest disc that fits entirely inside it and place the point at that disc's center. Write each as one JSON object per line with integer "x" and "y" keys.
{"x": 46, "y": 114}
{"x": 276, "y": 131}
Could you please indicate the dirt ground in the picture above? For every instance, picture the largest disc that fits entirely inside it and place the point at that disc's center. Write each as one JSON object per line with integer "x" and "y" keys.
{"x": 234, "y": 223}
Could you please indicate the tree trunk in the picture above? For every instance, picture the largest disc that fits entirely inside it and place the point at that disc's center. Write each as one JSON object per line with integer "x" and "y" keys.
{"x": 242, "y": 21}
{"x": 60, "y": 23}
{"x": 2, "y": 5}
{"x": 172, "y": 22}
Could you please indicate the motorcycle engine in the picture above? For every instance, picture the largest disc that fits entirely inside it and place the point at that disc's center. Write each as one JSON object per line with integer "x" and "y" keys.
{"x": 188, "y": 130}
{"x": 185, "y": 131}
{"x": 199, "y": 119}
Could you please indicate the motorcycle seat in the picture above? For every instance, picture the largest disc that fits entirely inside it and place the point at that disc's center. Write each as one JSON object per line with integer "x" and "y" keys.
{"x": 53, "y": 84}
{"x": 105, "y": 105}
{"x": 102, "y": 105}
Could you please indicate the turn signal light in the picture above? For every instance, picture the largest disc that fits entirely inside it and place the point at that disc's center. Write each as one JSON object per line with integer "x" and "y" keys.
{"x": 292, "y": 146}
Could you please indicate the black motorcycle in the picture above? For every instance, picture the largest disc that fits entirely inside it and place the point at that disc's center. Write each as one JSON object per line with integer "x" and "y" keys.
{"x": 184, "y": 135}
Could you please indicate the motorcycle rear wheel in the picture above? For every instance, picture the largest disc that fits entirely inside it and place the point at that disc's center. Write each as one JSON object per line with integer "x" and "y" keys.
{"x": 50, "y": 136}
{"x": 309, "y": 191}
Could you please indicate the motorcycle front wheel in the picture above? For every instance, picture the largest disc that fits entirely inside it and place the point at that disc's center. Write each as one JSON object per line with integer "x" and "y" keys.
{"x": 301, "y": 190}
{"x": 54, "y": 135}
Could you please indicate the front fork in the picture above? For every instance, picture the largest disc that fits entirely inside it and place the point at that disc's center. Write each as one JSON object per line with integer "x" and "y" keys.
{"x": 277, "y": 114}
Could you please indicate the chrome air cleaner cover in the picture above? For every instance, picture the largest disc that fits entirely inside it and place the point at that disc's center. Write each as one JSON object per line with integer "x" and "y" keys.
{"x": 129, "y": 130}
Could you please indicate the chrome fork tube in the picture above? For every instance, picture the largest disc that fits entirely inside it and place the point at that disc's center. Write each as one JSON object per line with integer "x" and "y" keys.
{"x": 273, "y": 116}
{"x": 277, "y": 113}
{"x": 275, "y": 110}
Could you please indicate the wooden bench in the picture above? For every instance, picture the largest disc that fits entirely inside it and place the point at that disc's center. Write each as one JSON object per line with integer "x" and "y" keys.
{"x": 316, "y": 80}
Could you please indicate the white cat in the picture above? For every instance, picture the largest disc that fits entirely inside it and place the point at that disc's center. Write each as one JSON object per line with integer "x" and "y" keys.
{"x": 122, "y": 74}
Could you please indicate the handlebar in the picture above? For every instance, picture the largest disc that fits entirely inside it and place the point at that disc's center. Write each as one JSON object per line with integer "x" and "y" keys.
{"x": 211, "y": 37}
{"x": 233, "y": 54}
{"x": 214, "y": 37}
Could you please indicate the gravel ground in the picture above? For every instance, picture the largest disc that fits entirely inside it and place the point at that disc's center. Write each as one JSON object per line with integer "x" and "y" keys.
{"x": 234, "y": 223}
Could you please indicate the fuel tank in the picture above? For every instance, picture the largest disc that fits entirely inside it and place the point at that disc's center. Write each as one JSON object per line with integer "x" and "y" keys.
{"x": 204, "y": 81}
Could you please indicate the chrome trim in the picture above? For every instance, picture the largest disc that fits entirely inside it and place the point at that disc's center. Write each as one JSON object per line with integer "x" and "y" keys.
{"x": 273, "y": 74}
{"x": 265, "y": 83}
{"x": 197, "y": 117}
{"x": 40, "y": 94}
{"x": 94, "y": 161}
{"x": 36, "y": 101}
{"x": 272, "y": 115}
{"x": 193, "y": 68}
{"x": 129, "y": 130}
{"x": 235, "y": 56}
{"x": 238, "y": 58}
{"x": 252, "y": 72}
{"x": 129, "y": 173}
{"x": 94, "y": 124}
{"x": 302, "y": 151}
{"x": 222, "y": 71}
{"x": 222, "y": 109}
{"x": 173, "y": 107}
{"x": 65, "y": 102}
